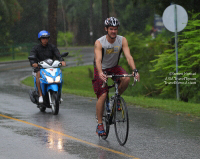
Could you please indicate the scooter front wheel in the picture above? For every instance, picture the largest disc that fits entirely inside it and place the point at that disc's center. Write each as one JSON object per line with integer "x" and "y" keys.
{"x": 42, "y": 109}
{"x": 55, "y": 103}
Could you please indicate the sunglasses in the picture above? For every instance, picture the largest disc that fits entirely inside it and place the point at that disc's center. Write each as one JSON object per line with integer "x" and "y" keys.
{"x": 44, "y": 38}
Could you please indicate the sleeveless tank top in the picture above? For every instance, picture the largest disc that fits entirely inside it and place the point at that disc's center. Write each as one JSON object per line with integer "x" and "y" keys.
{"x": 110, "y": 52}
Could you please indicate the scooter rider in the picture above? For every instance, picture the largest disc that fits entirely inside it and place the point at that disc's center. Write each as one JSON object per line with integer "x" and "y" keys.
{"x": 43, "y": 51}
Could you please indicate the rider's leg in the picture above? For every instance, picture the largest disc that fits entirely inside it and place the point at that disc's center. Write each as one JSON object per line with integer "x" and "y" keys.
{"x": 99, "y": 112}
{"x": 124, "y": 81}
{"x": 38, "y": 87}
{"x": 38, "y": 83}
{"x": 100, "y": 107}
{"x": 101, "y": 96}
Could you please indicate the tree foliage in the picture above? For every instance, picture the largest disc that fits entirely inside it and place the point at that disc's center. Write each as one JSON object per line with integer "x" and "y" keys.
{"x": 76, "y": 17}
{"x": 133, "y": 17}
{"x": 64, "y": 39}
{"x": 33, "y": 19}
{"x": 189, "y": 64}
{"x": 77, "y": 20}
{"x": 144, "y": 49}
{"x": 159, "y": 6}
{"x": 9, "y": 14}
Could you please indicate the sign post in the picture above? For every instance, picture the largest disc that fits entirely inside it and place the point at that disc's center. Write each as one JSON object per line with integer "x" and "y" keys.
{"x": 175, "y": 19}
{"x": 176, "y": 50}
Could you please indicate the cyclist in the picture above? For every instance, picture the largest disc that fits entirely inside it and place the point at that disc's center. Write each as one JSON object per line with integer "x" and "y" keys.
{"x": 43, "y": 51}
{"x": 107, "y": 51}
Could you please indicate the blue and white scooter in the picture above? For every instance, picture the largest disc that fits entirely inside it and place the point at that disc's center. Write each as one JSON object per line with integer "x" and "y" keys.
{"x": 50, "y": 84}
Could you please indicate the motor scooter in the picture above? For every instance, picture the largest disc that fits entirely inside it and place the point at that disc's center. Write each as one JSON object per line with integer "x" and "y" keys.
{"x": 50, "y": 83}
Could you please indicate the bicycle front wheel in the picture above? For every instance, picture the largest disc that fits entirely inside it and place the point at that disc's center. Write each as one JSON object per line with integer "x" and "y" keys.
{"x": 121, "y": 120}
{"x": 105, "y": 121}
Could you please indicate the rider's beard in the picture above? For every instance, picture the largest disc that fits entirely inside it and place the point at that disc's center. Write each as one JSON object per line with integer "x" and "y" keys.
{"x": 112, "y": 37}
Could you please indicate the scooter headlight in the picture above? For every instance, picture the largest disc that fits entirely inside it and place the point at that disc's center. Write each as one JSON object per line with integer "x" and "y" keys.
{"x": 49, "y": 79}
{"x": 57, "y": 79}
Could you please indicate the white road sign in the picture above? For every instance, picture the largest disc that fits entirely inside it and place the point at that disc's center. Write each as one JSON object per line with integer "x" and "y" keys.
{"x": 169, "y": 16}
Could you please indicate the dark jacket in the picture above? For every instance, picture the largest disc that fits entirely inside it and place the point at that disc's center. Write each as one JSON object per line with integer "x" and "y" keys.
{"x": 45, "y": 52}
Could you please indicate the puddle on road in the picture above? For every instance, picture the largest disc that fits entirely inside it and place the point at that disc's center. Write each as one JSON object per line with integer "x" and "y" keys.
{"x": 148, "y": 119}
{"x": 60, "y": 143}
{"x": 166, "y": 122}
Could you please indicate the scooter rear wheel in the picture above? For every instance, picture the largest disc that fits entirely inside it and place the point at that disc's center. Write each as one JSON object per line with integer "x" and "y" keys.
{"x": 55, "y": 103}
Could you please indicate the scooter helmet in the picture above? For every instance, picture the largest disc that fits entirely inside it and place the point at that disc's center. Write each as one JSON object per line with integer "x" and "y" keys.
{"x": 112, "y": 21}
{"x": 43, "y": 34}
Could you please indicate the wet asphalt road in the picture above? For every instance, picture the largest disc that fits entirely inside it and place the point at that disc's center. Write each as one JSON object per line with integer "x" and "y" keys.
{"x": 25, "y": 132}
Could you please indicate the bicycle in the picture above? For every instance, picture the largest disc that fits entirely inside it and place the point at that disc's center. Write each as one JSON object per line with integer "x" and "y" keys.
{"x": 115, "y": 113}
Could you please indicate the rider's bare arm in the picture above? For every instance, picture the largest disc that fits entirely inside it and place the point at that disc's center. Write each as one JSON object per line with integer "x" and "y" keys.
{"x": 128, "y": 56}
{"x": 98, "y": 59}
{"x": 127, "y": 53}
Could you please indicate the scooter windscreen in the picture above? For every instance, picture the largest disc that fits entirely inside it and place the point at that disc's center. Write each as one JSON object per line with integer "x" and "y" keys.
{"x": 49, "y": 61}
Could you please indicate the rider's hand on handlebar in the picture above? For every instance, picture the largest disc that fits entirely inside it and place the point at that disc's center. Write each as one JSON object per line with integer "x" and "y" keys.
{"x": 63, "y": 63}
{"x": 35, "y": 65}
{"x": 136, "y": 74}
{"x": 102, "y": 76}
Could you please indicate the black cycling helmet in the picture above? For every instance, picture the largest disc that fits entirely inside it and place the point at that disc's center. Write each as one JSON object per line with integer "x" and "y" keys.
{"x": 112, "y": 21}
{"x": 43, "y": 34}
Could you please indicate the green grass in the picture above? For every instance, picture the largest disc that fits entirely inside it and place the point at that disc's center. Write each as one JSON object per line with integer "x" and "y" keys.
{"x": 17, "y": 56}
{"x": 173, "y": 106}
{"x": 28, "y": 81}
{"x": 78, "y": 81}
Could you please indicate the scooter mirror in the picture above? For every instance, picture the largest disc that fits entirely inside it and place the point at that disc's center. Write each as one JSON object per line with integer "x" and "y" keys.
{"x": 64, "y": 54}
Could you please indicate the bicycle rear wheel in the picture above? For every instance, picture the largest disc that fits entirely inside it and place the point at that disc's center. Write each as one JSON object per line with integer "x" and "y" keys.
{"x": 105, "y": 121}
{"x": 121, "y": 120}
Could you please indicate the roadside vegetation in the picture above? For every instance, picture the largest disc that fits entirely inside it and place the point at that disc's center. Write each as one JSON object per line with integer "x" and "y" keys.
{"x": 155, "y": 60}
{"x": 78, "y": 81}
{"x": 16, "y": 57}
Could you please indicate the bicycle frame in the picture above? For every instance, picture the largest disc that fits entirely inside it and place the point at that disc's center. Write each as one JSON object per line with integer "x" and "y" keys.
{"x": 115, "y": 77}
{"x": 111, "y": 115}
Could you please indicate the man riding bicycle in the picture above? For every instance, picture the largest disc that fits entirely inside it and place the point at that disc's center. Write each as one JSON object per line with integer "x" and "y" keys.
{"x": 107, "y": 51}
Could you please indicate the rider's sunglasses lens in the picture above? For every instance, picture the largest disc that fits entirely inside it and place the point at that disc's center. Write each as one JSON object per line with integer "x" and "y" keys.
{"x": 45, "y": 38}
